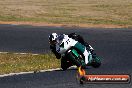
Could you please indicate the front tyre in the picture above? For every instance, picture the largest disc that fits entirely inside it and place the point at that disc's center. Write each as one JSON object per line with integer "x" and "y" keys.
{"x": 96, "y": 62}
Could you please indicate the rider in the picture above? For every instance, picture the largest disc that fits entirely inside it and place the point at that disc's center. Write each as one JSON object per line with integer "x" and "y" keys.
{"x": 80, "y": 39}
{"x": 54, "y": 44}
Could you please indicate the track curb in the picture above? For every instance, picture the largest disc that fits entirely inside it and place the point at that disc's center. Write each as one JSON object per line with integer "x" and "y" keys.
{"x": 30, "y": 72}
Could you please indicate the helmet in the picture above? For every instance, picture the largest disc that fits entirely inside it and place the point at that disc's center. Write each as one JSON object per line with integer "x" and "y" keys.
{"x": 52, "y": 38}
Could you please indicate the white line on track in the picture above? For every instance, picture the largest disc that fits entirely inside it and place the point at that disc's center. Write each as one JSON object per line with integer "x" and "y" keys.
{"x": 17, "y": 53}
{"x": 4, "y": 52}
{"x": 30, "y": 72}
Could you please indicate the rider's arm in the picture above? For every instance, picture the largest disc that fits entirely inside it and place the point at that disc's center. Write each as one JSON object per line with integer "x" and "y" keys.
{"x": 77, "y": 37}
{"x": 80, "y": 39}
{"x": 53, "y": 49}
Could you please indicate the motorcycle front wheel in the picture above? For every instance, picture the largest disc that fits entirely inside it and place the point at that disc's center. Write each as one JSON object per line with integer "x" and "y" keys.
{"x": 96, "y": 62}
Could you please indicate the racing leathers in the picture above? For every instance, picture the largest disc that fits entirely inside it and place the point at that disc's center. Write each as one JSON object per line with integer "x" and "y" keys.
{"x": 80, "y": 39}
{"x": 76, "y": 38}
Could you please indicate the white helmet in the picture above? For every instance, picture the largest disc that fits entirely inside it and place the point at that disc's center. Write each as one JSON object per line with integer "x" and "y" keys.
{"x": 53, "y": 37}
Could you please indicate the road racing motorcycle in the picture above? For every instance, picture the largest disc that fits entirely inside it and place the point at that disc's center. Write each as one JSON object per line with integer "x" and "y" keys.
{"x": 72, "y": 53}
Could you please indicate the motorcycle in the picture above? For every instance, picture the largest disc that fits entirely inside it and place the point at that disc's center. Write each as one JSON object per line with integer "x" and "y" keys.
{"x": 72, "y": 54}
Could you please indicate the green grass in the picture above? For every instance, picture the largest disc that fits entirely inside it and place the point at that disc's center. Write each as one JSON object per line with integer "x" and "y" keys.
{"x": 12, "y": 63}
{"x": 118, "y": 12}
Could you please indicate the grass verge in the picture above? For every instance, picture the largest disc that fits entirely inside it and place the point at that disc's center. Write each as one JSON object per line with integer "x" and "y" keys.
{"x": 115, "y": 12}
{"x": 12, "y": 63}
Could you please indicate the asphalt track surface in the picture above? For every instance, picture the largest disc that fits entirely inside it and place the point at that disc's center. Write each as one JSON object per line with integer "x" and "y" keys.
{"x": 113, "y": 45}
